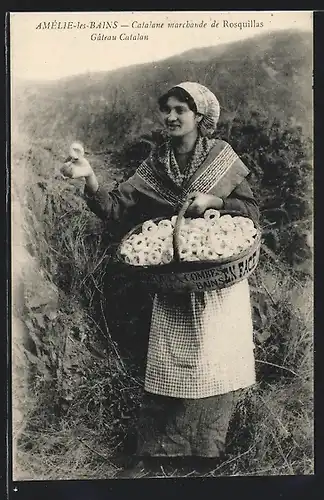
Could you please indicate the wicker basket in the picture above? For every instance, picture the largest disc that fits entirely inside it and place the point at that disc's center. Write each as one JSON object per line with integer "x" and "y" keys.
{"x": 183, "y": 276}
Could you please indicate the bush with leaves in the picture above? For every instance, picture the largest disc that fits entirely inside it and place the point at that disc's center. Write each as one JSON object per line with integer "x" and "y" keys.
{"x": 279, "y": 158}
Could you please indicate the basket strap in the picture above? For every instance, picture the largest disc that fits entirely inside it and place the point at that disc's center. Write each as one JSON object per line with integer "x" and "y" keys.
{"x": 177, "y": 226}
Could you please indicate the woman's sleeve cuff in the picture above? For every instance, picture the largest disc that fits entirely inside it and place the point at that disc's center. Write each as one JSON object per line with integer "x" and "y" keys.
{"x": 87, "y": 193}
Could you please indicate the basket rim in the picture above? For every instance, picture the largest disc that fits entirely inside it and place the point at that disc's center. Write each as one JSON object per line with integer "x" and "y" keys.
{"x": 190, "y": 265}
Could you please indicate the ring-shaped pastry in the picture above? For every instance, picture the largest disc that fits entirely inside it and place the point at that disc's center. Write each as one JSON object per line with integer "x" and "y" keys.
{"x": 139, "y": 243}
{"x": 139, "y": 259}
{"x": 155, "y": 257}
{"x": 149, "y": 227}
{"x": 167, "y": 256}
{"x": 211, "y": 215}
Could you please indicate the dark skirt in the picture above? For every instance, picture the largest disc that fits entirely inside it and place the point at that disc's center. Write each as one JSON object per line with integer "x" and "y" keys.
{"x": 172, "y": 427}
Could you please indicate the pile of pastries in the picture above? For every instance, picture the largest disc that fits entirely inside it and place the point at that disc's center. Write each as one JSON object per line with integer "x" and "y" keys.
{"x": 211, "y": 237}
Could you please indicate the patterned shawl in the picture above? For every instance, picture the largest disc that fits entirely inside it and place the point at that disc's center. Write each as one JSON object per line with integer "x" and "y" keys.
{"x": 217, "y": 171}
{"x": 166, "y": 158}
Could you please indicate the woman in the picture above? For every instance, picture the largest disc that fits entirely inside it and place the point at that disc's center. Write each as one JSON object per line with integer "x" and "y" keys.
{"x": 200, "y": 352}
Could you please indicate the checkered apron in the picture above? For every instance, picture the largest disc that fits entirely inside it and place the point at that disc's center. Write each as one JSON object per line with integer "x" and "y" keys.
{"x": 200, "y": 344}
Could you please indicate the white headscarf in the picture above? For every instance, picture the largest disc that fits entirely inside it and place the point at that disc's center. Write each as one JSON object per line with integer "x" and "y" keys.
{"x": 207, "y": 105}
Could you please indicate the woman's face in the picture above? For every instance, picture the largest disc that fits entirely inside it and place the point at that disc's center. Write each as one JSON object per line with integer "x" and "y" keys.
{"x": 179, "y": 119}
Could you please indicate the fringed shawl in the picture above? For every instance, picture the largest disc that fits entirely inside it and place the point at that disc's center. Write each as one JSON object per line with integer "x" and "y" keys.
{"x": 213, "y": 168}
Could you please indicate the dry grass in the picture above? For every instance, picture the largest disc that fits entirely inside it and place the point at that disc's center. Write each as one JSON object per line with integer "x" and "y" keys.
{"x": 79, "y": 407}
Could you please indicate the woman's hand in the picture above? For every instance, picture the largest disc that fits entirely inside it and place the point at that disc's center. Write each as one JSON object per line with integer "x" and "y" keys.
{"x": 76, "y": 168}
{"x": 201, "y": 202}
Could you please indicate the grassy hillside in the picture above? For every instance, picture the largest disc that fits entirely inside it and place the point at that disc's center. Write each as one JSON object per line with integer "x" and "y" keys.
{"x": 79, "y": 359}
{"x": 271, "y": 73}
